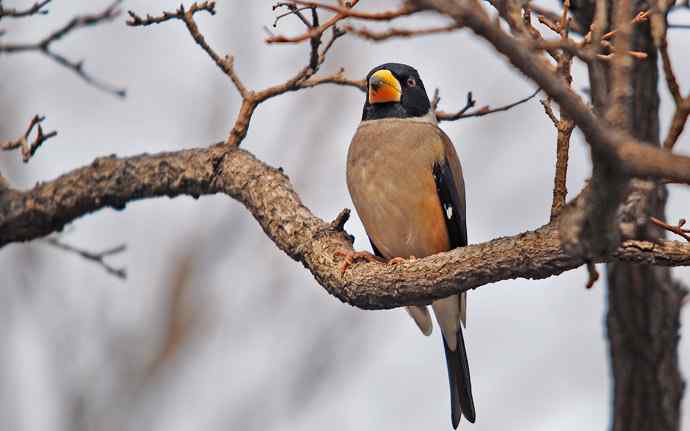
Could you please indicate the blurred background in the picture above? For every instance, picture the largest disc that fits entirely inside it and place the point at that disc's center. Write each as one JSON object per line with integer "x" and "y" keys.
{"x": 214, "y": 327}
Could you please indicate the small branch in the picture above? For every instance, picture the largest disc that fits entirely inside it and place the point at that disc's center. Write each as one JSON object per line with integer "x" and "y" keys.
{"x": 35, "y": 9}
{"x": 365, "y": 33}
{"x": 339, "y": 221}
{"x": 593, "y": 275}
{"x": 677, "y": 229}
{"x": 484, "y": 110}
{"x": 137, "y": 21}
{"x": 553, "y": 16}
{"x": 548, "y": 110}
{"x": 342, "y": 12}
{"x": 312, "y": 31}
{"x": 440, "y": 115}
{"x": 292, "y": 10}
{"x": 337, "y": 78}
{"x": 96, "y": 257}
{"x": 304, "y": 78}
{"x": 28, "y": 148}
{"x": 348, "y": 12}
{"x": 225, "y": 64}
{"x": 44, "y": 46}
{"x": 564, "y": 125}
{"x": 682, "y": 111}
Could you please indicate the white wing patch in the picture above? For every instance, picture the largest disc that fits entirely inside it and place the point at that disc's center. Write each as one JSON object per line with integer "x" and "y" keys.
{"x": 449, "y": 212}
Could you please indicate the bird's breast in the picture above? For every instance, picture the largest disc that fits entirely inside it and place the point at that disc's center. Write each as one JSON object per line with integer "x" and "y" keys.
{"x": 390, "y": 179}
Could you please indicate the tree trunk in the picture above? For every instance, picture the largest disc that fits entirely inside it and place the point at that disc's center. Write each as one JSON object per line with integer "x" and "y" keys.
{"x": 644, "y": 301}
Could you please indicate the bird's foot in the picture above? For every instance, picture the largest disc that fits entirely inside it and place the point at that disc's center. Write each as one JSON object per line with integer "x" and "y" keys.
{"x": 351, "y": 256}
{"x": 397, "y": 260}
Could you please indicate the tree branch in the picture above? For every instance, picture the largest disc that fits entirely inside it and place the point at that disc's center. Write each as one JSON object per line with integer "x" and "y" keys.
{"x": 682, "y": 111}
{"x": 35, "y": 9}
{"x": 267, "y": 193}
{"x": 136, "y": 21}
{"x": 304, "y": 78}
{"x": 484, "y": 110}
{"x": 378, "y": 36}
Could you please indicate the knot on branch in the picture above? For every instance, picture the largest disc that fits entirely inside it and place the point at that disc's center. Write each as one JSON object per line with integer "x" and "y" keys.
{"x": 337, "y": 226}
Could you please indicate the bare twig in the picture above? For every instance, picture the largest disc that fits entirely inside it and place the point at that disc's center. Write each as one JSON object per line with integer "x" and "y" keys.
{"x": 44, "y": 46}
{"x": 348, "y": 12}
{"x": 226, "y": 64}
{"x": 564, "y": 127}
{"x": 137, "y": 21}
{"x": 292, "y": 10}
{"x": 35, "y": 9}
{"x": 682, "y": 111}
{"x": 341, "y": 13}
{"x": 553, "y": 16}
{"x": 378, "y": 36}
{"x": 484, "y": 110}
{"x": 593, "y": 274}
{"x": 96, "y": 257}
{"x": 304, "y": 78}
{"x": 677, "y": 229}
{"x": 337, "y": 78}
{"x": 312, "y": 31}
{"x": 28, "y": 148}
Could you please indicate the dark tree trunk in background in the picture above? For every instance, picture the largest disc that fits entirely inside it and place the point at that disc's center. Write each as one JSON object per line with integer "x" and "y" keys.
{"x": 644, "y": 302}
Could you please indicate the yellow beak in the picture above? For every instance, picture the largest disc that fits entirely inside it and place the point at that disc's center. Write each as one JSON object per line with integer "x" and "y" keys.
{"x": 384, "y": 87}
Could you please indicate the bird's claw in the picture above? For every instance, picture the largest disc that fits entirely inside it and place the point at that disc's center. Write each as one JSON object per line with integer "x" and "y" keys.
{"x": 351, "y": 256}
{"x": 397, "y": 260}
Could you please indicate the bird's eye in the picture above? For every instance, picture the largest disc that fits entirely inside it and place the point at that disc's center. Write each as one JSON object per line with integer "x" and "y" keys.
{"x": 411, "y": 82}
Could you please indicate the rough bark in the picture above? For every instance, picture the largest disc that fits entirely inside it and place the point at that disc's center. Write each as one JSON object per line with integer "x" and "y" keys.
{"x": 644, "y": 302}
{"x": 267, "y": 193}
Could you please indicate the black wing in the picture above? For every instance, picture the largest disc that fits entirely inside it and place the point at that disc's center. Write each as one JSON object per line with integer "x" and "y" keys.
{"x": 450, "y": 187}
{"x": 452, "y": 197}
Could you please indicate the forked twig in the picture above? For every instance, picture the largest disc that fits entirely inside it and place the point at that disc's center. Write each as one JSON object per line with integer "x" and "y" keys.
{"x": 96, "y": 257}
{"x": 677, "y": 229}
{"x": 28, "y": 148}
{"x": 484, "y": 110}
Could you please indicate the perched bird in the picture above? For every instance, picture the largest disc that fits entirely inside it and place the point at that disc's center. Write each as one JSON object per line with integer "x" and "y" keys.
{"x": 406, "y": 183}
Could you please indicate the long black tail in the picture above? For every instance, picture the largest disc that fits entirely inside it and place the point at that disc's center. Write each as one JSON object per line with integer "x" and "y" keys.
{"x": 461, "y": 401}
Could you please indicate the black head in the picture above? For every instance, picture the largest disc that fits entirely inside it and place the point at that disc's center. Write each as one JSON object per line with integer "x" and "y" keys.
{"x": 395, "y": 90}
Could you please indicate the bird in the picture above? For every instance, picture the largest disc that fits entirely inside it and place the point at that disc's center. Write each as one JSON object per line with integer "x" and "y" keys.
{"x": 406, "y": 183}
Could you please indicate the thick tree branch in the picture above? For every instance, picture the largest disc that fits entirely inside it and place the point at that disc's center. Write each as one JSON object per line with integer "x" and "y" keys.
{"x": 267, "y": 193}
